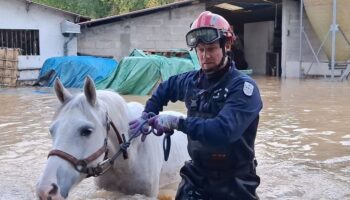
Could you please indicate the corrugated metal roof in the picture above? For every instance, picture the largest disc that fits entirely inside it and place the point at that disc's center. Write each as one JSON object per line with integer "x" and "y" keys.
{"x": 252, "y": 10}
{"x": 137, "y": 13}
{"x": 82, "y": 18}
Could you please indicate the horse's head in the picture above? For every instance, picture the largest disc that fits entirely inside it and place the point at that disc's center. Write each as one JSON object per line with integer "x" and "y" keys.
{"x": 79, "y": 132}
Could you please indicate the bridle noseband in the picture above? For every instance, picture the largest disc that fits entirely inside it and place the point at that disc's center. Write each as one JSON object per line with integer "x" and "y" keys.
{"x": 103, "y": 166}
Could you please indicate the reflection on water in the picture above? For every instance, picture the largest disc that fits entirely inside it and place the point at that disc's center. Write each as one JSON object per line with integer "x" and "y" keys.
{"x": 303, "y": 144}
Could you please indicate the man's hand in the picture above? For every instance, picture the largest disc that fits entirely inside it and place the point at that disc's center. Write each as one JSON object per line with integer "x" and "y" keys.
{"x": 139, "y": 125}
{"x": 164, "y": 123}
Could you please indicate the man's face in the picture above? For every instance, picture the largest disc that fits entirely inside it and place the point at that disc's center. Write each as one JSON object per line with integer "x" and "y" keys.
{"x": 209, "y": 56}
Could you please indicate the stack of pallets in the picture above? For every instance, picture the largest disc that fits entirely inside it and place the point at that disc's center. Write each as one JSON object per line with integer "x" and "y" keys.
{"x": 8, "y": 67}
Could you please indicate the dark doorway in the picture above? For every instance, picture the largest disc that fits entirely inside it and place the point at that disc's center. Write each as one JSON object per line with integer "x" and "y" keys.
{"x": 241, "y": 12}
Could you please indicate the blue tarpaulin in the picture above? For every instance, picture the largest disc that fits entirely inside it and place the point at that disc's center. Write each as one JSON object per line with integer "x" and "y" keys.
{"x": 72, "y": 70}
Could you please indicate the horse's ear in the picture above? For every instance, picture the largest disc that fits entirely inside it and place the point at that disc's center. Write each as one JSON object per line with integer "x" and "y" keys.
{"x": 62, "y": 93}
{"x": 90, "y": 91}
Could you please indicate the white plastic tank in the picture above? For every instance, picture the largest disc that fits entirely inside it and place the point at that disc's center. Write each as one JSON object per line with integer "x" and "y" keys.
{"x": 320, "y": 13}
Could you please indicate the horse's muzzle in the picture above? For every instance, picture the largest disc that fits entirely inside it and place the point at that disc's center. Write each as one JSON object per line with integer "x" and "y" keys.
{"x": 49, "y": 192}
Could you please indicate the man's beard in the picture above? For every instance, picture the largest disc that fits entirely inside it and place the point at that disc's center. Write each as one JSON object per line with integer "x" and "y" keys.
{"x": 213, "y": 70}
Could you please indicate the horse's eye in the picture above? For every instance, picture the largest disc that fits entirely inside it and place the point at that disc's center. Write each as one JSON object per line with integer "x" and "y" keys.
{"x": 86, "y": 131}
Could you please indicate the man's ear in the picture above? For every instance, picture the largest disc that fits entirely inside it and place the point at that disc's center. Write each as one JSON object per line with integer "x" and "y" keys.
{"x": 228, "y": 46}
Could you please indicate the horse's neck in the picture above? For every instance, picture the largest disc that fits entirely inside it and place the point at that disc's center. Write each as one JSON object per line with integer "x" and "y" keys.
{"x": 128, "y": 175}
{"x": 120, "y": 114}
{"x": 116, "y": 109}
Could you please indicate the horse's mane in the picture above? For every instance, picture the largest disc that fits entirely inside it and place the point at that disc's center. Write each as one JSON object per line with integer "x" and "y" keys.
{"x": 117, "y": 108}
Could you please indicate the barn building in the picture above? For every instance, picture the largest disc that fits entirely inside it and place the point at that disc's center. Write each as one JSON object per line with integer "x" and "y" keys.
{"x": 39, "y": 31}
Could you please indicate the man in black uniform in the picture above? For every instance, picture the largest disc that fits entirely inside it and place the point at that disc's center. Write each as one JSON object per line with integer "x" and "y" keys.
{"x": 222, "y": 118}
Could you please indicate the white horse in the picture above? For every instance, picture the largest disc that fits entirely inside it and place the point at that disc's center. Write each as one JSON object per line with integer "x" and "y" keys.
{"x": 80, "y": 132}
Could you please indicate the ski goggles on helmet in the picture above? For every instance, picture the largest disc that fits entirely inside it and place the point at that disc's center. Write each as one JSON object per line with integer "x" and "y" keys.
{"x": 206, "y": 35}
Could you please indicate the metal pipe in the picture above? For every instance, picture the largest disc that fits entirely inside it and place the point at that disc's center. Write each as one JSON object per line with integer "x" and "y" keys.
{"x": 334, "y": 28}
{"x": 301, "y": 30}
{"x": 65, "y": 46}
{"x": 276, "y": 15}
{"x": 342, "y": 32}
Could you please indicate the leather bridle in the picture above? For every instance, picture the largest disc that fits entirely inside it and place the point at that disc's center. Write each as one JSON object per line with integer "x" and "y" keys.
{"x": 103, "y": 166}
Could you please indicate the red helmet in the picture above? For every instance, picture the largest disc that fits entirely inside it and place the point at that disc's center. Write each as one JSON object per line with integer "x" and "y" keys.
{"x": 208, "y": 28}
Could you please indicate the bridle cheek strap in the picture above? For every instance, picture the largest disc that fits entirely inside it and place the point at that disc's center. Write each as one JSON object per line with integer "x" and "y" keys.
{"x": 81, "y": 165}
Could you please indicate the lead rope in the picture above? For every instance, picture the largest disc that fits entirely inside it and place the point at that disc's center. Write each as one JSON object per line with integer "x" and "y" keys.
{"x": 167, "y": 145}
{"x": 166, "y": 139}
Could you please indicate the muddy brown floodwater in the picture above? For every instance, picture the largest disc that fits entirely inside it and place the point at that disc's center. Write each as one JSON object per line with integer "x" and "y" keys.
{"x": 303, "y": 142}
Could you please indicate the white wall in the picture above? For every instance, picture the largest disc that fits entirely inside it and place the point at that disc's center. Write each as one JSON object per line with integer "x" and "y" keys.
{"x": 13, "y": 15}
{"x": 258, "y": 40}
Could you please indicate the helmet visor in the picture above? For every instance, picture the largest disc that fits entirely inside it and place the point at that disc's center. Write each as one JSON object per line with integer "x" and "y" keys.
{"x": 206, "y": 35}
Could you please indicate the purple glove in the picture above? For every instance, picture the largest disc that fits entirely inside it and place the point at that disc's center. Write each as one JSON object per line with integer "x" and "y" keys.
{"x": 139, "y": 125}
{"x": 164, "y": 123}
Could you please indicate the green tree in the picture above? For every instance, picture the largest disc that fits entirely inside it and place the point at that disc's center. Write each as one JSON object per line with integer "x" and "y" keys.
{"x": 103, "y": 8}
{"x": 91, "y": 8}
{"x": 155, "y": 3}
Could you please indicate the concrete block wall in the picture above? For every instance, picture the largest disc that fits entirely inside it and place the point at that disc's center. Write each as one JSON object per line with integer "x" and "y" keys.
{"x": 161, "y": 30}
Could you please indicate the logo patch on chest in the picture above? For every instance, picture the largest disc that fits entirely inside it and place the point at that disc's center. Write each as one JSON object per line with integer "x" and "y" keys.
{"x": 220, "y": 93}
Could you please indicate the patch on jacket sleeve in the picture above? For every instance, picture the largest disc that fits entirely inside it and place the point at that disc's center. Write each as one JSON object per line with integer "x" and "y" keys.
{"x": 248, "y": 88}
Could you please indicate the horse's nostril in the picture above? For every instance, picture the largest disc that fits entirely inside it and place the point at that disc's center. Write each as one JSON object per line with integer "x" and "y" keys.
{"x": 53, "y": 191}
{"x": 49, "y": 198}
